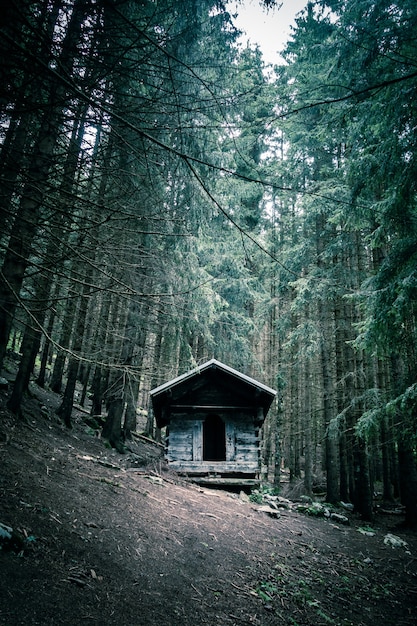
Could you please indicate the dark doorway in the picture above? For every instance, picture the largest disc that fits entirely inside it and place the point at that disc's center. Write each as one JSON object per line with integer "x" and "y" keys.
{"x": 214, "y": 439}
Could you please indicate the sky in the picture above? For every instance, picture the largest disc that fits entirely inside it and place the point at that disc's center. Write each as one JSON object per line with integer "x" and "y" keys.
{"x": 269, "y": 29}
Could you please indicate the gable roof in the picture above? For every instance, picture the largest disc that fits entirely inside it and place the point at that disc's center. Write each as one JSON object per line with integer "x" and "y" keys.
{"x": 213, "y": 363}
{"x": 160, "y": 395}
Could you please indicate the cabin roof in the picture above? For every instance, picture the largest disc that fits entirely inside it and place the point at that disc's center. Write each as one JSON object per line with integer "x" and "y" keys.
{"x": 161, "y": 395}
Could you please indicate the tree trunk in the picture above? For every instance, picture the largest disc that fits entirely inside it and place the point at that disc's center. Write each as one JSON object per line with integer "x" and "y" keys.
{"x": 131, "y": 399}
{"x": 97, "y": 391}
{"x": 41, "y": 379}
{"x": 407, "y": 468}
{"x": 308, "y": 419}
{"x": 112, "y": 429}
{"x": 31, "y": 341}
{"x": 408, "y": 480}
{"x": 64, "y": 342}
{"x": 25, "y": 225}
{"x": 363, "y": 479}
{"x": 363, "y": 497}
{"x": 156, "y": 366}
{"x": 30, "y": 346}
{"x": 331, "y": 432}
{"x": 125, "y": 383}
{"x": 65, "y": 409}
{"x": 387, "y": 441}
{"x": 29, "y": 96}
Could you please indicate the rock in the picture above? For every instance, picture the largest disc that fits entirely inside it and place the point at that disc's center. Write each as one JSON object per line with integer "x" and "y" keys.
{"x": 340, "y": 519}
{"x": 273, "y": 505}
{"x": 4, "y": 384}
{"x": 244, "y": 497}
{"x": 5, "y": 533}
{"x": 10, "y": 539}
{"x": 271, "y": 512}
{"x": 284, "y": 505}
{"x": 45, "y": 412}
{"x": 394, "y": 541}
{"x": 368, "y": 532}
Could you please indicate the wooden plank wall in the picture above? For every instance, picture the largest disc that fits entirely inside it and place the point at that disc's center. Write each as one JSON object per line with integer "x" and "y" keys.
{"x": 186, "y": 440}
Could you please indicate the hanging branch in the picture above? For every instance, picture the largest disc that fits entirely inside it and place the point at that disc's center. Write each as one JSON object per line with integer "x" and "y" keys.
{"x": 353, "y": 94}
{"x": 100, "y": 106}
{"x": 232, "y": 221}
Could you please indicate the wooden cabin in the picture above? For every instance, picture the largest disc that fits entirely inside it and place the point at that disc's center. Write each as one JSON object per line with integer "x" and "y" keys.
{"x": 213, "y": 416}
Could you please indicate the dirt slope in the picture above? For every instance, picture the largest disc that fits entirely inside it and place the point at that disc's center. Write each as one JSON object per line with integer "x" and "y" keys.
{"x": 113, "y": 539}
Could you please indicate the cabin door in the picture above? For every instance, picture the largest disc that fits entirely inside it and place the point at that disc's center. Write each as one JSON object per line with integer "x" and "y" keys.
{"x": 214, "y": 439}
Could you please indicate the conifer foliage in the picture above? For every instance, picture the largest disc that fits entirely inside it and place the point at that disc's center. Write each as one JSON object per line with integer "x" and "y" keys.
{"x": 347, "y": 114}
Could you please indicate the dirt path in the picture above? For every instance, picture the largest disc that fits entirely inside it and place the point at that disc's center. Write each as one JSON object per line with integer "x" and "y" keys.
{"x": 111, "y": 540}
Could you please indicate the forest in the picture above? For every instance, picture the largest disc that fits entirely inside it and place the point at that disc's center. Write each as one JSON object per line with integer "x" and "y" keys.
{"x": 167, "y": 197}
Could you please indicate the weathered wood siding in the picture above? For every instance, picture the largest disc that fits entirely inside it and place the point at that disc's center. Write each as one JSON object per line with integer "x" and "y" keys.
{"x": 217, "y": 467}
{"x": 180, "y": 445}
{"x": 185, "y": 446}
{"x": 246, "y": 442}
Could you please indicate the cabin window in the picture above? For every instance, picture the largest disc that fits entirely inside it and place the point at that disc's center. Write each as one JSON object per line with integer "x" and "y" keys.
{"x": 214, "y": 439}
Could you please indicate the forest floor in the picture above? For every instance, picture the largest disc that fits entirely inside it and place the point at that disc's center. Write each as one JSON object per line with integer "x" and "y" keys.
{"x": 110, "y": 539}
